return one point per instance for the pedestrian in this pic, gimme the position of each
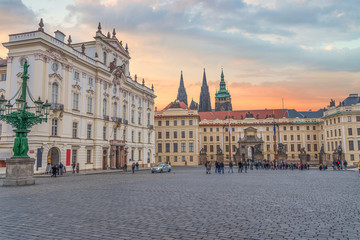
(240, 167)
(73, 166)
(125, 167)
(54, 170)
(231, 167)
(137, 166)
(77, 168)
(221, 167)
(359, 167)
(208, 167)
(245, 166)
(216, 166)
(345, 164)
(320, 167)
(133, 167)
(48, 168)
(57, 169)
(61, 166)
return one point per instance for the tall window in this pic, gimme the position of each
(55, 93)
(139, 155)
(183, 122)
(175, 134)
(88, 156)
(190, 122)
(132, 116)
(3, 77)
(104, 133)
(351, 145)
(104, 107)
(191, 147)
(175, 147)
(88, 131)
(75, 130)
(148, 119)
(124, 134)
(139, 118)
(54, 127)
(89, 104)
(132, 136)
(115, 109)
(76, 101)
(183, 147)
(159, 147)
(149, 137)
(124, 112)
(139, 137)
(115, 133)
(104, 58)
(350, 131)
(167, 147)
(190, 134)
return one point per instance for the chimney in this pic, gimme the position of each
(60, 36)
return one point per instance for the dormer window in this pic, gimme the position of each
(104, 60)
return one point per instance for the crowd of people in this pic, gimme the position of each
(245, 165)
(60, 168)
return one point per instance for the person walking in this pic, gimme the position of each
(125, 167)
(245, 166)
(216, 166)
(137, 166)
(231, 167)
(77, 168)
(61, 166)
(133, 167)
(208, 167)
(221, 167)
(48, 168)
(240, 167)
(54, 170)
(359, 167)
(345, 164)
(73, 166)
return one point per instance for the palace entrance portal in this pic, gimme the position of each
(250, 146)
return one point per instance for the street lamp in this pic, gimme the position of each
(21, 117)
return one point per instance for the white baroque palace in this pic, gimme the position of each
(101, 118)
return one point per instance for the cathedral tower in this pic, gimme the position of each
(182, 96)
(205, 103)
(223, 97)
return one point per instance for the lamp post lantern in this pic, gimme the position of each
(19, 168)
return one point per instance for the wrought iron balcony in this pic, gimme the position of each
(106, 118)
(126, 122)
(116, 119)
(57, 106)
(151, 126)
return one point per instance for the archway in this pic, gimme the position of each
(54, 155)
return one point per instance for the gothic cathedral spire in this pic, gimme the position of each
(205, 103)
(182, 96)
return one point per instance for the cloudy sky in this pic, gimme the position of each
(304, 51)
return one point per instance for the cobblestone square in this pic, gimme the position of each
(185, 204)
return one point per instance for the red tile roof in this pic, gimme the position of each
(262, 114)
(177, 105)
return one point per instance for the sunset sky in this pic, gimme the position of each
(304, 51)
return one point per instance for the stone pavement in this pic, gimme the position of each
(185, 204)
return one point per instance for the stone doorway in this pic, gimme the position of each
(54, 155)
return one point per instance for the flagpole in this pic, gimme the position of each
(275, 150)
(229, 138)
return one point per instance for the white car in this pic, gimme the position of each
(161, 168)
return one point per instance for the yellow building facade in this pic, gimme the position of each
(177, 134)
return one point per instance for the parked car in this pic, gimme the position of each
(161, 168)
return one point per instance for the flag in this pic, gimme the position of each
(274, 129)
(230, 130)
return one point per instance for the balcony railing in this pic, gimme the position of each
(106, 118)
(116, 119)
(126, 122)
(151, 126)
(57, 107)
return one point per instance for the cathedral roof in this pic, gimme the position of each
(223, 92)
(194, 105)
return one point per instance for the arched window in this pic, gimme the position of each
(104, 55)
(104, 107)
(55, 93)
(148, 157)
(115, 110)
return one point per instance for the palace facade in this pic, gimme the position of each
(101, 117)
(322, 136)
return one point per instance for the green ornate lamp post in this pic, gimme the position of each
(19, 168)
